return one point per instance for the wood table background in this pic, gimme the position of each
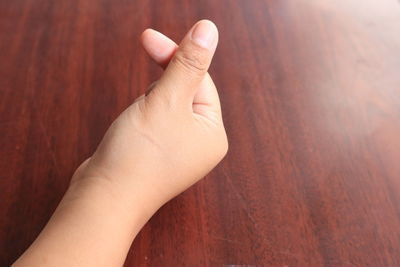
(311, 100)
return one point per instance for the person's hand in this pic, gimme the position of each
(174, 135)
(164, 142)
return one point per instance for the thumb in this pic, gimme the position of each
(190, 63)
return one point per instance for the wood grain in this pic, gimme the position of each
(311, 100)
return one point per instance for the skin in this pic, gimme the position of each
(163, 143)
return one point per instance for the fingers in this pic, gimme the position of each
(159, 47)
(190, 62)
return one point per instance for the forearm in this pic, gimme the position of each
(94, 225)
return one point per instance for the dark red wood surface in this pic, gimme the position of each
(311, 100)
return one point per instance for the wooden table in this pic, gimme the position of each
(311, 100)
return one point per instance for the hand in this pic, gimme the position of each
(174, 135)
(163, 143)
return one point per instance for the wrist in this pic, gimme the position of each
(131, 201)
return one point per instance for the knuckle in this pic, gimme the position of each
(193, 61)
(223, 146)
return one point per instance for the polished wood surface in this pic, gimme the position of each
(311, 100)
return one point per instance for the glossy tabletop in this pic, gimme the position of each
(310, 93)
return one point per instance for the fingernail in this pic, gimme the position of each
(204, 34)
